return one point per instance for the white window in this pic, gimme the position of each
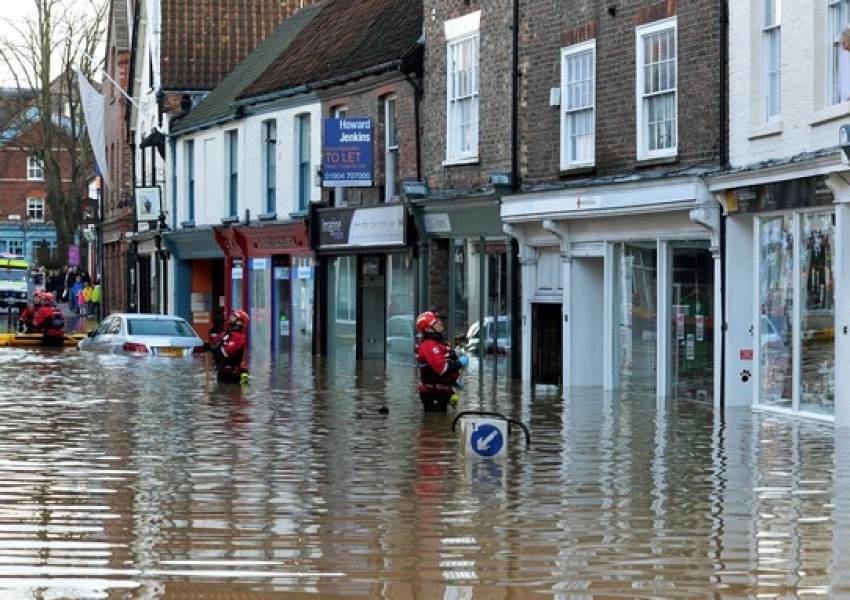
(190, 179)
(270, 164)
(462, 37)
(657, 92)
(578, 105)
(232, 138)
(390, 148)
(35, 209)
(838, 70)
(770, 59)
(302, 127)
(35, 169)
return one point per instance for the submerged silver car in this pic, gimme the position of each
(143, 334)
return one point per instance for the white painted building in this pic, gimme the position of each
(786, 204)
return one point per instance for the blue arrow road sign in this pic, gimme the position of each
(486, 440)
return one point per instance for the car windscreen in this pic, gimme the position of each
(13, 275)
(166, 327)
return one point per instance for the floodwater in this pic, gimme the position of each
(135, 478)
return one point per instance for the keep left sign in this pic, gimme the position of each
(485, 438)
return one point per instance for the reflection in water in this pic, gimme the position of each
(139, 478)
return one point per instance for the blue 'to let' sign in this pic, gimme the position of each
(486, 440)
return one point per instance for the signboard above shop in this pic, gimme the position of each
(347, 152)
(365, 226)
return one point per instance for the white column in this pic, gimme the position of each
(841, 265)
(528, 285)
(664, 320)
(562, 230)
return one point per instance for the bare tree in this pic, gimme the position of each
(43, 52)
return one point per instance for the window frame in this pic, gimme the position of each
(462, 33)
(232, 171)
(771, 60)
(644, 152)
(270, 165)
(35, 169)
(838, 15)
(340, 199)
(569, 156)
(303, 126)
(391, 150)
(189, 162)
(36, 210)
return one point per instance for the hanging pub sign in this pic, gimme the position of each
(347, 152)
(147, 204)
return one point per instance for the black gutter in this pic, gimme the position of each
(514, 270)
(724, 164)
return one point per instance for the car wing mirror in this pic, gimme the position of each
(91, 333)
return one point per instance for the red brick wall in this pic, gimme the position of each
(495, 64)
(547, 26)
(364, 99)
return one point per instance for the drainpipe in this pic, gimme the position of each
(527, 258)
(724, 163)
(515, 267)
(422, 243)
(724, 64)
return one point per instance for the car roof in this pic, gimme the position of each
(147, 316)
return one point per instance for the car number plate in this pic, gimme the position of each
(170, 352)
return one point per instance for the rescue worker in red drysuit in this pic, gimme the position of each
(439, 366)
(229, 349)
(26, 316)
(48, 320)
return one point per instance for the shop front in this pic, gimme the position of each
(198, 276)
(625, 276)
(366, 285)
(269, 272)
(784, 284)
(466, 269)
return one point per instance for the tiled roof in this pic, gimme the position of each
(218, 105)
(347, 37)
(202, 40)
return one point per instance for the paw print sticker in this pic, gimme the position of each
(745, 375)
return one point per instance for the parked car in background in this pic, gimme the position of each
(401, 336)
(143, 334)
(497, 336)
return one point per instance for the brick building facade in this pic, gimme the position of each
(623, 118)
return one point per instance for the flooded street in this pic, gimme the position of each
(144, 478)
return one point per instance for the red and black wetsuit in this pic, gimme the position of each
(49, 321)
(439, 370)
(228, 350)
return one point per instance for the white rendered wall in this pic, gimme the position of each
(807, 122)
(586, 357)
(739, 313)
(211, 174)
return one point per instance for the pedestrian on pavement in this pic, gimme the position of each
(70, 277)
(95, 299)
(88, 303)
(74, 293)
